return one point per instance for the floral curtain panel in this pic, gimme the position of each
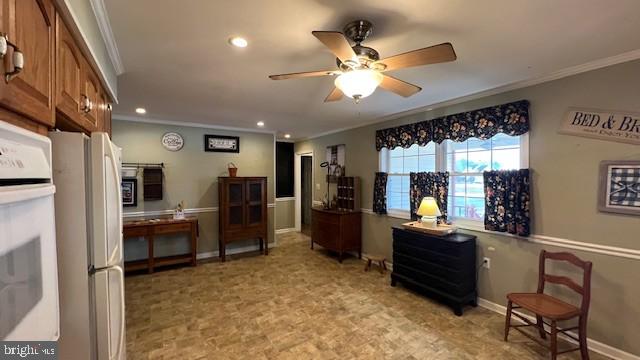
(423, 184)
(380, 193)
(511, 119)
(507, 200)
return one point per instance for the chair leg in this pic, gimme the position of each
(381, 266)
(582, 334)
(540, 324)
(554, 340)
(507, 321)
(367, 266)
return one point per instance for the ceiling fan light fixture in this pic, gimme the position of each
(358, 84)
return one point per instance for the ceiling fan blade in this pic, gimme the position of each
(399, 87)
(338, 44)
(303, 74)
(335, 95)
(430, 55)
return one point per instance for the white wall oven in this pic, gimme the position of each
(28, 265)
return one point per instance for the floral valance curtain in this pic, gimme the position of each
(380, 193)
(423, 184)
(511, 119)
(507, 200)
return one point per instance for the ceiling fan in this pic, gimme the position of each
(360, 69)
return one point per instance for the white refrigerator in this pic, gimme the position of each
(88, 208)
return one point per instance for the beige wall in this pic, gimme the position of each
(191, 174)
(285, 213)
(564, 183)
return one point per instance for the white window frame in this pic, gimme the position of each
(441, 165)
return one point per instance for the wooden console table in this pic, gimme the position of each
(152, 227)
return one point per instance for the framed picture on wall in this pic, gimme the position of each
(129, 192)
(620, 187)
(222, 143)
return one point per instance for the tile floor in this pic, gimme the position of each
(302, 304)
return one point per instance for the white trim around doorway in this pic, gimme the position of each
(297, 169)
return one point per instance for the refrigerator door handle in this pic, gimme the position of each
(116, 172)
(118, 355)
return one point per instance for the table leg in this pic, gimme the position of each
(221, 249)
(150, 262)
(194, 244)
(261, 244)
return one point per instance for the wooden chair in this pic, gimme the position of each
(548, 307)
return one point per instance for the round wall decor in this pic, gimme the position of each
(172, 141)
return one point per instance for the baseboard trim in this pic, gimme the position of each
(284, 231)
(232, 251)
(594, 345)
(554, 241)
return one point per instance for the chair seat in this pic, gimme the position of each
(545, 305)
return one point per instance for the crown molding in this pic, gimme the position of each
(104, 24)
(566, 72)
(188, 124)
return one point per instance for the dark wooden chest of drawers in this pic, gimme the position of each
(441, 267)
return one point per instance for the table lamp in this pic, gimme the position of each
(429, 211)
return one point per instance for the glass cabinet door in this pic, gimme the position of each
(255, 202)
(235, 200)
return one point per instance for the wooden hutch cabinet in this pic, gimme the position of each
(243, 211)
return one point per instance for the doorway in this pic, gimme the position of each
(304, 196)
(306, 200)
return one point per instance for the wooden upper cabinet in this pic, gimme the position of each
(29, 25)
(68, 75)
(104, 113)
(90, 98)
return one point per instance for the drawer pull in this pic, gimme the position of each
(18, 57)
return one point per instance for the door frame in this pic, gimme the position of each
(297, 169)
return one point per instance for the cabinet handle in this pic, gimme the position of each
(86, 105)
(18, 57)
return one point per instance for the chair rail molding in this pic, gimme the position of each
(552, 241)
(136, 214)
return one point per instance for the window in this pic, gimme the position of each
(399, 163)
(465, 161)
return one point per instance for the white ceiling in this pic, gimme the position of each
(179, 66)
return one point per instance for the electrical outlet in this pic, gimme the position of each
(317, 186)
(486, 263)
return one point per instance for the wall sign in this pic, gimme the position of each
(222, 143)
(620, 187)
(617, 126)
(172, 141)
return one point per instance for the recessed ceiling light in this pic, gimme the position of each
(141, 110)
(286, 136)
(260, 123)
(238, 42)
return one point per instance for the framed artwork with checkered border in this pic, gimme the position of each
(620, 187)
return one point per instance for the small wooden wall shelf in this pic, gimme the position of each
(348, 193)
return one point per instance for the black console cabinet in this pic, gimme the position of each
(442, 267)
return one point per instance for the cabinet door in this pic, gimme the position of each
(235, 199)
(255, 200)
(29, 25)
(90, 97)
(68, 75)
(105, 113)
